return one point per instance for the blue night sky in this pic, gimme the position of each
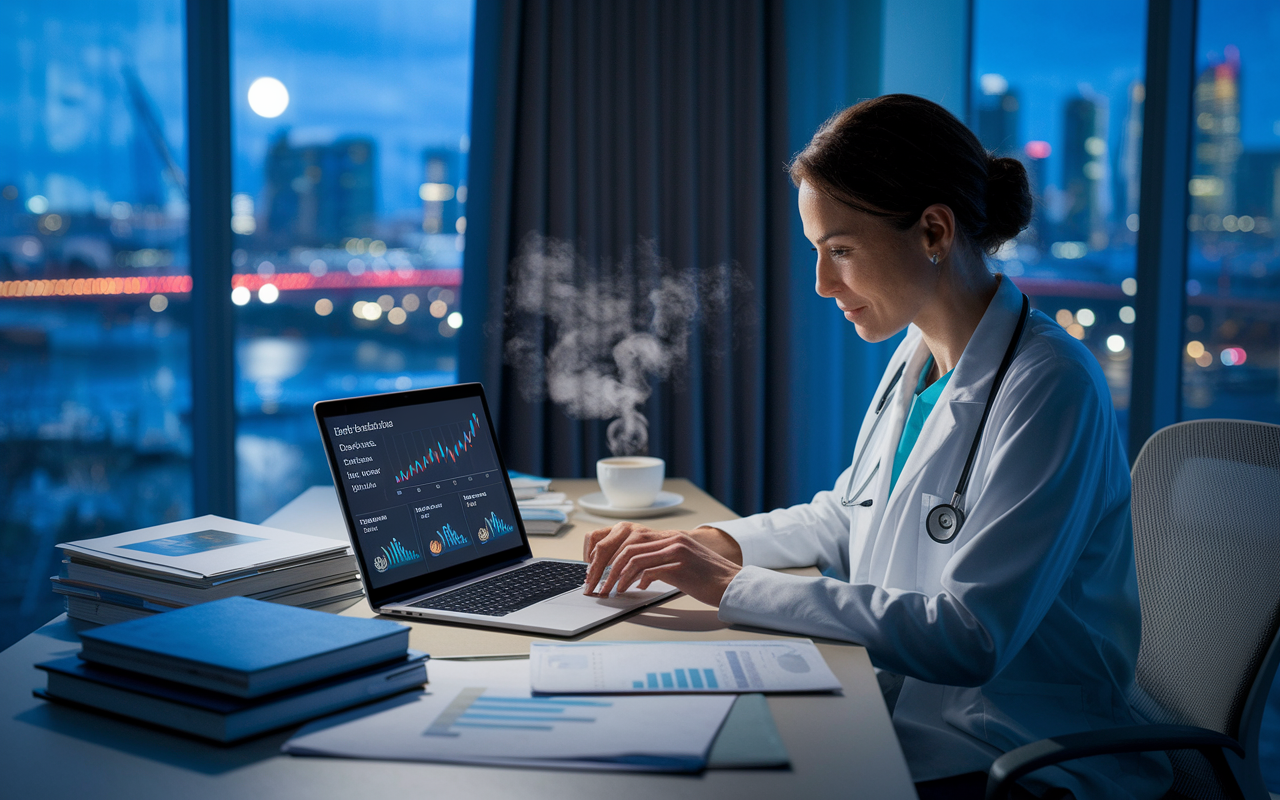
(1050, 52)
(399, 71)
(396, 70)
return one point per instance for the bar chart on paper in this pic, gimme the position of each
(472, 708)
(693, 678)
(793, 665)
(507, 725)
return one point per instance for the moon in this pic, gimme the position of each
(268, 97)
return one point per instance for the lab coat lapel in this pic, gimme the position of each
(863, 544)
(945, 438)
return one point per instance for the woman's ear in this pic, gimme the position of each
(938, 230)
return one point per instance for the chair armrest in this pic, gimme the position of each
(1130, 739)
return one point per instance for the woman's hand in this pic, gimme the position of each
(700, 563)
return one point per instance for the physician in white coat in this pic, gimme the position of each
(1016, 616)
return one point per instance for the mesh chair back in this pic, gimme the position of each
(1206, 530)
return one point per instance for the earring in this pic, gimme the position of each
(934, 258)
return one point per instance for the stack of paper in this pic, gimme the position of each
(544, 512)
(527, 486)
(235, 668)
(139, 573)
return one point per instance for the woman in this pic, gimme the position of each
(980, 545)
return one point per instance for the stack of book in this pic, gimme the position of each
(235, 668)
(139, 573)
(543, 512)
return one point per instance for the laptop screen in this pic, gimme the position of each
(423, 487)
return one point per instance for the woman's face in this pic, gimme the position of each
(880, 277)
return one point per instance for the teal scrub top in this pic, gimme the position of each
(923, 403)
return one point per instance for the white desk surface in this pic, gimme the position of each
(840, 745)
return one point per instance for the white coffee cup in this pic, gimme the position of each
(631, 481)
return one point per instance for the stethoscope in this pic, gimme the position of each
(944, 520)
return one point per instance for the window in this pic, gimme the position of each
(1069, 106)
(351, 138)
(94, 381)
(1231, 367)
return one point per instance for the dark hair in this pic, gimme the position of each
(895, 155)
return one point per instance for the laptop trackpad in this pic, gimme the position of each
(631, 599)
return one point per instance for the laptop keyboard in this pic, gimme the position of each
(511, 591)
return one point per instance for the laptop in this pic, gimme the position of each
(433, 519)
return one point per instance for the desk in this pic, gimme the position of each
(840, 746)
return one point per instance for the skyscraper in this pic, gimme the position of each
(1084, 173)
(998, 122)
(319, 194)
(1129, 185)
(443, 191)
(1216, 156)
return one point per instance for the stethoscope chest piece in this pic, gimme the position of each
(943, 522)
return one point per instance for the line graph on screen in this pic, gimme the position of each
(446, 451)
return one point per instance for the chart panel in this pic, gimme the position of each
(446, 451)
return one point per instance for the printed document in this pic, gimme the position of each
(458, 721)
(766, 665)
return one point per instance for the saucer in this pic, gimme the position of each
(597, 504)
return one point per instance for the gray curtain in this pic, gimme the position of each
(612, 126)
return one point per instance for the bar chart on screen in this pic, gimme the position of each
(395, 555)
(447, 539)
(493, 527)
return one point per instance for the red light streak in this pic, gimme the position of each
(181, 284)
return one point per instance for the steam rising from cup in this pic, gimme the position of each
(613, 329)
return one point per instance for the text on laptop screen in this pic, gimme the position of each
(423, 486)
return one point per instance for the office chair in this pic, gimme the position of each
(1206, 538)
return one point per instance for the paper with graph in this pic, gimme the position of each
(767, 665)
(478, 724)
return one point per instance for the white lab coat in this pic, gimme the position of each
(1026, 625)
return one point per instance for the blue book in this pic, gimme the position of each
(243, 647)
(216, 716)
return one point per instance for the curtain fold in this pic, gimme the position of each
(613, 127)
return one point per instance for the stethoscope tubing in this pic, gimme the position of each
(963, 483)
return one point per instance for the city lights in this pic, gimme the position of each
(1068, 250)
(397, 316)
(455, 322)
(268, 97)
(1129, 286)
(158, 303)
(1086, 317)
(1233, 356)
(371, 311)
(1195, 349)
(1115, 343)
(241, 295)
(268, 293)
(1038, 149)
(37, 204)
(324, 306)
(1127, 315)
(1064, 317)
(993, 84)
